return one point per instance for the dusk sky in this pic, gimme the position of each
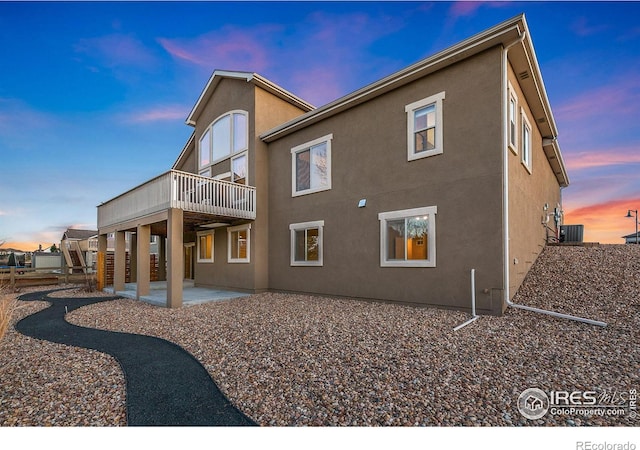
(94, 96)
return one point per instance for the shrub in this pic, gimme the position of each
(90, 283)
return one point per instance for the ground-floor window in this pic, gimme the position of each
(205, 246)
(306, 243)
(408, 237)
(238, 243)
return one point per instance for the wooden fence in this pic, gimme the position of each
(16, 277)
(110, 261)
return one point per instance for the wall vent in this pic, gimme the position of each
(523, 75)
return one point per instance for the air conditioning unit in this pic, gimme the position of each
(571, 233)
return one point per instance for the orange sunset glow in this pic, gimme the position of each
(604, 222)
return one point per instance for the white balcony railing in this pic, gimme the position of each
(182, 190)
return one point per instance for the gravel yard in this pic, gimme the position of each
(289, 359)
(45, 384)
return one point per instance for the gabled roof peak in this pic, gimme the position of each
(249, 77)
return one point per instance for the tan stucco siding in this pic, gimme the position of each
(189, 162)
(223, 274)
(528, 193)
(265, 111)
(270, 111)
(230, 95)
(369, 161)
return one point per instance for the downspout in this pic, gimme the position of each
(505, 168)
(473, 302)
(505, 199)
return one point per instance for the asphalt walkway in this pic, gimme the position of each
(165, 385)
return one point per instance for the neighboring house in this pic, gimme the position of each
(79, 248)
(633, 238)
(393, 192)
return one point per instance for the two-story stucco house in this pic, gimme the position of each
(393, 192)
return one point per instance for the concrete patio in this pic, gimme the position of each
(191, 295)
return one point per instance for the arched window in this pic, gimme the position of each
(225, 137)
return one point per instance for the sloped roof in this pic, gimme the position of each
(521, 56)
(184, 151)
(72, 233)
(11, 250)
(249, 77)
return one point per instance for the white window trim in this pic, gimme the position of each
(527, 145)
(513, 140)
(319, 224)
(307, 145)
(383, 217)
(230, 232)
(210, 129)
(223, 176)
(236, 156)
(410, 109)
(213, 236)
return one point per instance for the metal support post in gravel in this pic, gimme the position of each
(165, 385)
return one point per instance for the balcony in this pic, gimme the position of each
(203, 196)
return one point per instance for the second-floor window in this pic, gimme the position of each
(526, 142)
(424, 127)
(239, 169)
(226, 136)
(311, 166)
(513, 120)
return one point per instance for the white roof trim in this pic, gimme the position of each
(281, 92)
(443, 58)
(214, 80)
(184, 150)
(248, 77)
(502, 33)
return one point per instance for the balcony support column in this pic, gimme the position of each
(175, 259)
(120, 261)
(133, 257)
(143, 261)
(162, 258)
(101, 276)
